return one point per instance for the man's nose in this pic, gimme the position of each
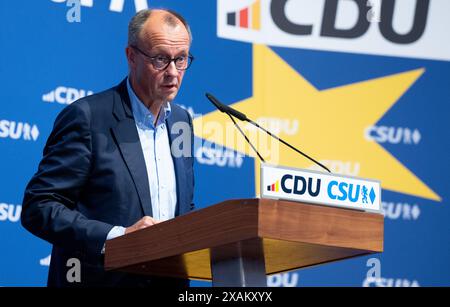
(172, 70)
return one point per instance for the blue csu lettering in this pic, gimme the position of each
(300, 185)
(348, 191)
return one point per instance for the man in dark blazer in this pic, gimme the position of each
(108, 167)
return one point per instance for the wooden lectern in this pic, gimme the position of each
(238, 242)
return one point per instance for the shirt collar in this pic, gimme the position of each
(142, 114)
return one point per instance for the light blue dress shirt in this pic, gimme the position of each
(155, 144)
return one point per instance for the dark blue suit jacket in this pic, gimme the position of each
(92, 177)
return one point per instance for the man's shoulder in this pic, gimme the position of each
(102, 99)
(180, 113)
(98, 104)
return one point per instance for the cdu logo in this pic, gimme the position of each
(300, 185)
(320, 188)
(357, 26)
(65, 95)
(274, 187)
(246, 18)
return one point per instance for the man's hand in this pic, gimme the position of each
(144, 222)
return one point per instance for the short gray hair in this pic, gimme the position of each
(137, 22)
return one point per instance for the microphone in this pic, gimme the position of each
(226, 109)
(232, 112)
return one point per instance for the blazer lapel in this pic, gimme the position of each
(129, 145)
(178, 164)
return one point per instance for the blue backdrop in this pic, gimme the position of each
(47, 62)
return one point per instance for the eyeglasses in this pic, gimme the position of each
(161, 62)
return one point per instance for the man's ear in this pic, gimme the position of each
(131, 56)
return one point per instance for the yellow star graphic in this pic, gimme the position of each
(328, 125)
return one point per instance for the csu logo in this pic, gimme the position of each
(17, 130)
(335, 190)
(301, 185)
(220, 157)
(344, 191)
(392, 135)
(9, 212)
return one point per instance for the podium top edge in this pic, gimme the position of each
(318, 172)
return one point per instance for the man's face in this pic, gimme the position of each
(158, 39)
